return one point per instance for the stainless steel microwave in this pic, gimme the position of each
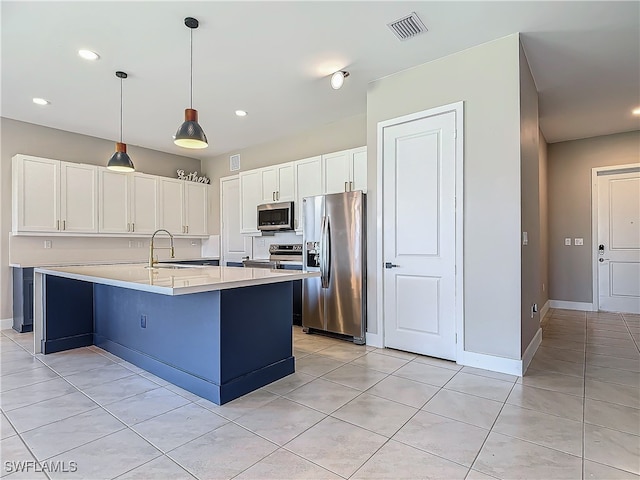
(275, 216)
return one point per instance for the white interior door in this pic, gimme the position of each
(619, 242)
(234, 245)
(420, 236)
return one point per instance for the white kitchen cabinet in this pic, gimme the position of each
(54, 196)
(114, 202)
(250, 198)
(308, 182)
(195, 208)
(345, 171)
(144, 209)
(278, 183)
(172, 205)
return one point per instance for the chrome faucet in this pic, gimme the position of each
(152, 262)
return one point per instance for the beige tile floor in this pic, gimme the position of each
(348, 412)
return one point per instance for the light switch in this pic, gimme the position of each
(567, 242)
(578, 241)
(525, 238)
(47, 244)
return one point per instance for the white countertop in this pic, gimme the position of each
(103, 262)
(178, 281)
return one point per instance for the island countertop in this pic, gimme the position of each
(181, 280)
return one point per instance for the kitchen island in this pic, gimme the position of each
(219, 332)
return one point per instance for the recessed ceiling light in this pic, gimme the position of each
(88, 55)
(636, 111)
(241, 113)
(41, 101)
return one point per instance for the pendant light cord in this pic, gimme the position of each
(121, 110)
(191, 59)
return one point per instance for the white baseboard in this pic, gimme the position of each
(374, 340)
(544, 310)
(6, 323)
(584, 306)
(531, 350)
(510, 366)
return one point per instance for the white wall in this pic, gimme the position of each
(20, 137)
(486, 78)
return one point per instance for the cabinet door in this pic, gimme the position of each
(359, 169)
(36, 193)
(114, 202)
(250, 198)
(286, 183)
(269, 184)
(308, 180)
(171, 206)
(78, 198)
(144, 208)
(335, 171)
(195, 208)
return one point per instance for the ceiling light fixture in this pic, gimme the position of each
(635, 111)
(88, 55)
(41, 101)
(120, 161)
(241, 113)
(190, 133)
(337, 79)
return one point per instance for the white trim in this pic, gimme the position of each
(458, 109)
(531, 351)
(594, 225)
(6, 323)
(544, 310)
(584, 306)
(374, 340)
(510, 366)
(223, 261)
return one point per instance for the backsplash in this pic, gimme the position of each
(261, 244)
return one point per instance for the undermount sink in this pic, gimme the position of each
(174, 266)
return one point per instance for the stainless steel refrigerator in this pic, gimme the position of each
(334, 244)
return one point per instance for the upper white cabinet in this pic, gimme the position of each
(183, 207)
(345, 171)
(278, 183)
(250, 197)
(308, 181)
(53, 196)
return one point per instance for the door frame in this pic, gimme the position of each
(458, 109)
(612, 170)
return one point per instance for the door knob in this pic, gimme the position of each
(390, 265)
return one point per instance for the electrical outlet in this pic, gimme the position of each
(578, 241)
(525, 238)
(132, 244)
(194, 243)
(143, 321)
(140, 244)
(261, 242)
(47, 244)
(567, 242)
(543, 287)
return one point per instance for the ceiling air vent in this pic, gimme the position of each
(234, 162)
(407, 27)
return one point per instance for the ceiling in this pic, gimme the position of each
(273, 59)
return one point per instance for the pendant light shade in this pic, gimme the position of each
(190, 133)
(120, 161)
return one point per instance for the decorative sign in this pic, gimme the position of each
(192, 177)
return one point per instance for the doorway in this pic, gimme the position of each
(421, 156)
(616, 238)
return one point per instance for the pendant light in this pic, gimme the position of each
(120, 161)
(190, 133)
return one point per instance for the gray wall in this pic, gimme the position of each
(347, 133)
(544, 221)
(530, 202)
(570, 164)
(486, 78)
(26, 138)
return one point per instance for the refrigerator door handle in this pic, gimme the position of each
(323, 252)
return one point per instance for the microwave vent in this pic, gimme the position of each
(234, 162)
(407, 27)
